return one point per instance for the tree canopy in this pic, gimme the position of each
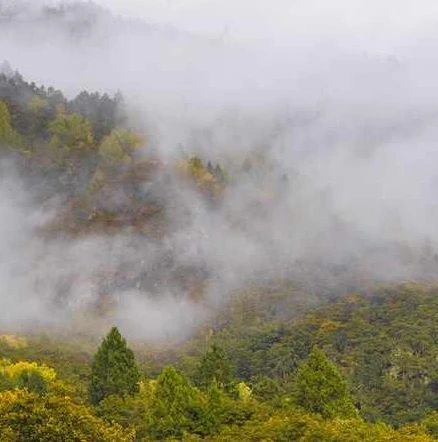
(320, 388)
(114, 371)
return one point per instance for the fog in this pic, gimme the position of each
(338, 97)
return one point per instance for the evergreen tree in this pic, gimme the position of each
(320, 388)
(215, 367)
(114, 370)
(177, 407)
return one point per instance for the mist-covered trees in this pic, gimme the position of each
(70, 132)
(9, 137)
(118, 146)
(102, 111)
(309, 403)
(256, 383)
(114, 371)
(33, 108)
(209, 180)
(82, 152)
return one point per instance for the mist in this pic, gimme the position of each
(340, 100)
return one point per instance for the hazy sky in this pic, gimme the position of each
(375, 25)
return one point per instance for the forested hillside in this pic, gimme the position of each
(363, 368)
(81, 154)
(211, 254)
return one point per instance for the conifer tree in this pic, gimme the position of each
(320, 387)
(177, 407)
(114, 371)
(215, 367)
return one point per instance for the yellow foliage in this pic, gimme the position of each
(119, 145)
(14, 341)
(328, 326)
(70, 131)
(13, 371)
(357, 430)
(244, 391)
(194, 170)
(148, 387)
(28, 417)
(36, 104)
(8, 135)
(305, 427)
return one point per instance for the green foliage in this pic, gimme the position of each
(8, 136)
(320, 388)
(26, 375)
(385, 340)
(226, 411)
(32, 381)
(215, 367)
(70, 132)
(5, 382)
(130, 412)
(170, 408)
(119, 146)
(208, 180)
(430, 424)
(113, 371)
(29, 417)
(102, 111)
(265, 389)
(297, 425)
(177, 407)
(37, 104)
(33, 107)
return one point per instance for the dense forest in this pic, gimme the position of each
(362, 368)
(271, 364)
(307, 347)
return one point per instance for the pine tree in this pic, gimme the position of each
(320, 388)
(113, 371)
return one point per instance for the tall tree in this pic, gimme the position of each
(114, 371)
(320, 387)
(177, 407)
(215, 367)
